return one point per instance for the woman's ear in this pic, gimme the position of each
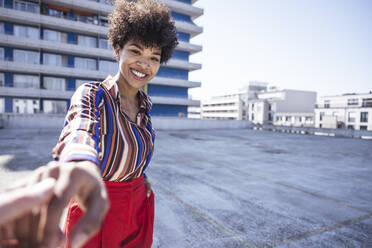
(117, 51)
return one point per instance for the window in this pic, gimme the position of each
(361, 127)
(1, 3)
(103, 21)
(2, 105)
(269, 107)
(27, 32)
(351, 116)
(321, 116)
(103, 43)
(25, 106)
(108, 66)
(367, 102)
(252, 116)
(105, 2)
(298, 119)
(53, 35)
(308, 118)
(2, 53)
(23, 56)
(2, 82)
(278, 118)
(350, 127)
(327, 104)
(2, 29)
(288, 118)
(87, 18)
(352, 101)
(54, 83)
(26, 6)
(54, 107)
(55, 13)
(26, 81)
(54, 59)
(85, 63)
(89, 41)
(364, 117)
(270, 117)
(80, 82)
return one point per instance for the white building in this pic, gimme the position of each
(194, 112)
(231, 106)
(352, 111)
(283, 107)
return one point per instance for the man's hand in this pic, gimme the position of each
(81, 181)
(59, 183)
(18, 203)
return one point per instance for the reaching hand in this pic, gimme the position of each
(15, 204)
(40, 227)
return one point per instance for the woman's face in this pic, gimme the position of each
(138, 64)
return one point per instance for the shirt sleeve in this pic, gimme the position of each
(79, 139)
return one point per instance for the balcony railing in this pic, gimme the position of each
(364, 105)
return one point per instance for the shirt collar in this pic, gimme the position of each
(111, 85)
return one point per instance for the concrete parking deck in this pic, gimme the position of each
(240, 188)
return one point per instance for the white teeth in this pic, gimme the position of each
(138, 74)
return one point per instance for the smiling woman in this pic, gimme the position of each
(109, 124)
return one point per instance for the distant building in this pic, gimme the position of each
(48, 48)
(283, 107)
(352, 111)
(194, 112)
(231, 106)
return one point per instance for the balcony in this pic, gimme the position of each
(342, 106)
(35, 93)
(174, 101)
(81, 73)
(88, 24)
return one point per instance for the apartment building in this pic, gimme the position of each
(231, 106)
(283, 107)
(48, 48)
(352, 111)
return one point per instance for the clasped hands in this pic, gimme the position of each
(30, 210)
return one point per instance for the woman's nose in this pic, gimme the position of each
(143, 62)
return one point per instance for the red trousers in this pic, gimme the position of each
(129, 221)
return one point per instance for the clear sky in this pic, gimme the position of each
(318, 45)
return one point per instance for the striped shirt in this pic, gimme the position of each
(97, 130)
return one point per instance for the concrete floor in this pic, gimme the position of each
(240, 188)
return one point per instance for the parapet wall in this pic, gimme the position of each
(159, 123)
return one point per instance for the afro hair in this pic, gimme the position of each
(146, 21)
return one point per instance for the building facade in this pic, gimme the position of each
(352, 111)
(232, 106)
(283, 107)
(48, 48)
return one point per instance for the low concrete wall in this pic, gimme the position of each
(32, 121)
(317, 131)
(159, 123)
(171, 123)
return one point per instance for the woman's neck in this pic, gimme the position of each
(126, 92)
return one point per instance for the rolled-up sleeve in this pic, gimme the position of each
(80, 136)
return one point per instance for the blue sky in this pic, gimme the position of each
(319, 45)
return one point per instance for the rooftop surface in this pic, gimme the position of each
(240, 188)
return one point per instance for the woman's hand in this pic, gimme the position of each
(148, 187)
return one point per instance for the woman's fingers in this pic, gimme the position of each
(21, 201)
(148, 188)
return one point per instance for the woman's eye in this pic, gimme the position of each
(135, 51)
(155, 59)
